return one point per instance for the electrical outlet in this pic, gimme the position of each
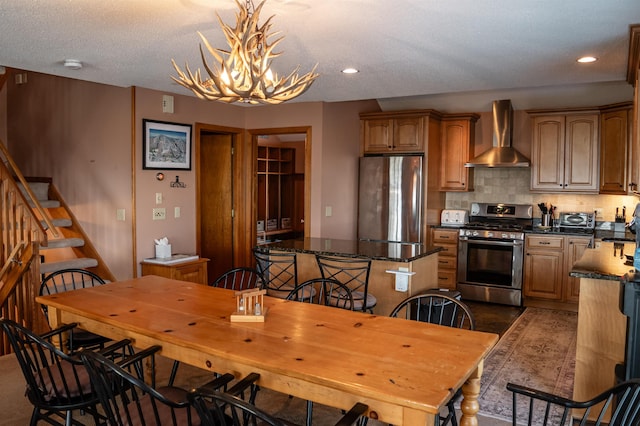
(598, 211)
(159, 214)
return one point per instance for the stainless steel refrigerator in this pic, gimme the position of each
(390, 199)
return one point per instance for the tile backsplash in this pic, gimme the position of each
(512, 185)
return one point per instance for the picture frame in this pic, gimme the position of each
(166, 145)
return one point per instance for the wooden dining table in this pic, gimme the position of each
(405, 371)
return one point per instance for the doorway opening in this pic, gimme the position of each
(281, 183)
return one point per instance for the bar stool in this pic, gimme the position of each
(353, 273)
(279, 272)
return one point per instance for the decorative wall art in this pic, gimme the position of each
(166, 145)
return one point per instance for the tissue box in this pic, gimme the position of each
(163, 250)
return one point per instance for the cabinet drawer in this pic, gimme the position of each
(450, 250)
(447, 279)
(447, 262)
(556, 243)
(444, 236)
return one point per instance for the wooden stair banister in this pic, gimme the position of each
(18, 174)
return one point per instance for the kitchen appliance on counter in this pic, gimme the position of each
(390, 199)
(454, 218)
(576, 222)
(491, 252)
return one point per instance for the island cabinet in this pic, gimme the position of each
(564, 152)
(397, 132)
(615, 149)
(547, 264)
(457, 142)
(448, 257)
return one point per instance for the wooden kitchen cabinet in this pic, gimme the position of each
(565, 151)
(194, 271)
(402, 132)
(548, 261)
(457, 142)
(448, 257)
(543, 266)
(615, 149)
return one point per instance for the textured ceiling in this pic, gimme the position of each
(407, 51)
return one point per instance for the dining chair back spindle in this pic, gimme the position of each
(323, 291)
(354, 274)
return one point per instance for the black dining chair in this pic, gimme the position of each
(438, 307)
(68, 280)
(353, 273)
(279, 272)
(617, 406)
(241, 278)
(323, 291)
(128, 400)
(217, 408)
(57, 384)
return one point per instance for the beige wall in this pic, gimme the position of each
(79, 133)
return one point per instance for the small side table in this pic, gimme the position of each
(194, 271)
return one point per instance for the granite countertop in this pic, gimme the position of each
(607, 261)
(393, 252)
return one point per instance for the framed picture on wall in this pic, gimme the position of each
(166, 145)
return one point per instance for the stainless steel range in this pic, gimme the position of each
(491, 251)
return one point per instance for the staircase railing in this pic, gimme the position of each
(22, 235)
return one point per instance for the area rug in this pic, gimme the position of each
(538, 351)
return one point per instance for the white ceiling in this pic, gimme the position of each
(410, 53)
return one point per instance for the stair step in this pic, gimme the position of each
(63, 242)
(81, 263)
(59, 223)
(47, 204)
(39, 189)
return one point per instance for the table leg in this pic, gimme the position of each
(60, 341)
(470, 392)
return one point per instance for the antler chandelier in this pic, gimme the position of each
(243, 73)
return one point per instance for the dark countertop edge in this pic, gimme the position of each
(600, 264)
(427, 251)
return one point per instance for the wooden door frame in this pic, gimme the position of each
(254, 133)
(244, 164)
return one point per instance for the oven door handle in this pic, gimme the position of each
(510, 243)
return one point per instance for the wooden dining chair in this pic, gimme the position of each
(279, 272)
(57, 383)
(438, 307)
(617, 406)
(354, 274)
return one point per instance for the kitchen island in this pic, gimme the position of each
(602, 326)
(419, 259)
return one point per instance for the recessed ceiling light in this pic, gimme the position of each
(587, 59)
(350, 71)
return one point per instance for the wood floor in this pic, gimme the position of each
(493, 318)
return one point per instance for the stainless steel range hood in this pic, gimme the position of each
(502, 154)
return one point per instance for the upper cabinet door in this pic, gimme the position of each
(408, 134)
(378, 134)
(457, 141)
(582, 153)
(547, 153)
(614, 152)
